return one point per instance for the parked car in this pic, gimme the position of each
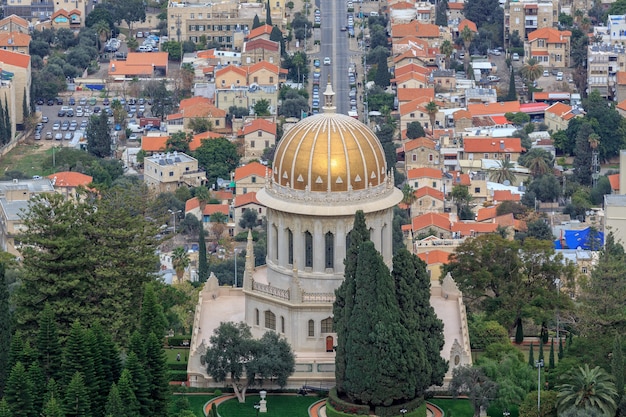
(38, 136)
(56, 125)
(515, 56)
(58, 136)
(44, 119)
(327, 60)
(559, 76)
(72, 101)
(82, 101)
(65, 125)
(48, 135)
(68, 136)
(61, 113)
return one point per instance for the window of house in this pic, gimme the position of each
(414, 158)
(290, 247)
(259, 133)
(434, 184)
(253, 179)
(267, 143)
(477, 190)
(433, 203)
(199, 15)
(584, 269)
(486, 156)
(271, 80)
(311, 328)
(245, 190)
(270, 320)
(329, 239)
(282, 324)
(420, 202)
(415, 185)
(412, 115)
(308, 250)
(430, 157)
(217, 122)
(256, 316)
(192, 16)
(256, 79)
(171, 173)
(327, 325)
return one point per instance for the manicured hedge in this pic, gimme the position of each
(177, 376)
(345, 407)
(417, 407)
(176, 341)
(177, 366)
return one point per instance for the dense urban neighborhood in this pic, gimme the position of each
(294, 208)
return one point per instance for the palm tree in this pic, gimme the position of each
(408, 197)
(586, 388)
(467, 36)
(594, 141)
(180, 261)
(447, 49)
(103, 30)
(532, 70)
(432, 110)
(503, 173)
(538, 161)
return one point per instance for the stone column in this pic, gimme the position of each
(283, 241)
(271, 256)
(298, 246)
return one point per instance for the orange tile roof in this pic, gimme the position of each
(70, 179)
(505, 195)
(461, 114)
(559, 109)
(466, 22)
(422, 30)
(206, 54)
(486, 213)
(551, 35)
(215, 208)
(493, 109)
(622, 105)
(261, 30)
(259, 124)
(539, 53)
(463, 179)
(174, 116)
(424, 173)
(60, 12)
(200, 107)
(410, 76)
(75, 11)
(456, 5)
(122, 68)
(411, 40)
(414, 53)
(159, 59)
(14, 58)
(241, 71)
(154, 143)
(245, 199)
(428, 191)
(263, 65)
(431, 219)
(16, 19)
(410, 94)
(418, 143)
(466, 229)
(253, 168)
(261, 44)
(614, 180)
(196, 140)
(411, 67)
(621, 77)
(14, 39)
(436, 256)
(191, 204)
(506, 220)
(402, 5)
(439, 133)
(222, 195)
(491, 145)
(414, 105)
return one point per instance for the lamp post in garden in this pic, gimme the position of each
(403, 411)
(174, 213)
(539, 364)
(506, 413)
(257, 407)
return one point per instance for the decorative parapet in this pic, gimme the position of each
(318, 297)
(268, 289)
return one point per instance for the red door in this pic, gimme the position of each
(329, 344)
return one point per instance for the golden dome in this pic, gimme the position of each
(329, 152)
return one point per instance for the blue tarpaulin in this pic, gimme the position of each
(95, 86)
(583, 239)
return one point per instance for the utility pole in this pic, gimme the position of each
(178, 25)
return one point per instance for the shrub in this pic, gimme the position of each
(177, 366)
(345, 407)
(177, 341)
(484, 333)
(417, 407)
(217, 392)
(177, 376)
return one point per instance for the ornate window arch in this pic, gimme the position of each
(329, 250)
(290, 247)
(311, 328)
(270, 320)
(308, 249)
(256, 316)
(327, 325)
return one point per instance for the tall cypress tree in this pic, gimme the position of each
(152, 317)
(36, 381)
(374, 344)
(203, 265)
(48, 345)
(25, 108)
(531, 356)
(7, 120)
(125, 388)
(512, 93)
(541, 358)
(138, 383)
(156, 371)
(18, 392)
(551, 357)
(617, 366)
(344, 295)
(519, 332)
(268, 14)
(76, 401)
(3, 131)
(5, 330)
(256, 22)
(561, 348)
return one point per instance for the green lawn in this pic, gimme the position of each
(277, 406)
(27, 158)
(454, 408)
(196, 402)
(171, 355)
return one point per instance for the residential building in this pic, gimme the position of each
(245, 202)
(30, 10)
(558, 115)
(14, 23)
(620, 86)
(425, 177)
(508, 149)
(427, 200)
(420, 152)
(14, 199)
(165, 172)
(61, 18)
(15, 42)
(614, 219)
(258, 135)
(426, 31)
(197, 108)
(528, 16)
(549, 46)
(425, 224)
(15, 67)
(616, 29)
(204, 212)
(403, 12)
(69, 184)
(250, 178)
(258, 50)
(604, 61)
(141, 65)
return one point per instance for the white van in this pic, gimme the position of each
(374, 14)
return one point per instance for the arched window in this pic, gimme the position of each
(308, 250)
(290, 246)
(327, 325)
(275, 242)
(282, 324)
(270, 320)
(256, 316)
(311, 328)
(330, 250)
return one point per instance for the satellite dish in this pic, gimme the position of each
(506, 182)
(221, 182)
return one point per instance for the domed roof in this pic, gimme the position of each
(329, 152)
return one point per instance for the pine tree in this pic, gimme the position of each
(344, 295)
(551, 357)
(16, 349)
(531, 356)
(110, 356)
(76, 402)
(374, 349)
(152, 317)
(519, 332)
(125, 388)
(97, 385)
(18, 392)
(52, 391)
(52, 408)
(541, 358)
(5, 330)
(256, 22)
(76, 356)
(137, 344)
(560, 348)
(203, 265)
(4, 408)
(138, 383)
(617, 366)
(48, 345)
(156, 371)
(36, 380)
(114, 406)
(99, 136)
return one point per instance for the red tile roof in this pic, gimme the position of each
(191, 204)
(418, 143)
(263, 65)
(159, 59)
(239, 70)
(15, 19)
(411, 67)
(505, 195)
(200, 107)
(222, 195)
(402, 5)
(214, 208)
(261, 44)
(467, 23)
(410, 94)
(14, 58)
(245, 199)
(456, 5)
(486, 213)
(261, 30)
(621, 77)
(253, 168)
(70, 179)
(436, 256)
(551, 35)
(559, 109)
(10, 39)
(466, 229)
(259, 124)
(431, 219)
(498, 109)
(463, 179)
(422, 30)
(196, 141)
(614, 180)
(461, 114)
(424, 173)
(492, 145)
(428, 191)
(154, 143)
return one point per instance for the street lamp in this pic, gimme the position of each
(506, 413)
(539, 364)
(257, 407)
(403, 411)
(174, 213)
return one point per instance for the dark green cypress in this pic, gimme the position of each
(512, 93)
(531, 356)
(551, 357)
(519, 332)
(76, 400)
(110, 356)
(125, 388)
(25, 108)
(52, 391)
(5, 330)
(18, 392)
(7, 120)
(48, 345)
(570, 340)
(156, 371)
(152, 317)
(139, 383)
(540, 350)
(268, 14)
(3, 131)
(76, 357)
(256, 22)
(203, 265)
(344, 295)
(561, 348)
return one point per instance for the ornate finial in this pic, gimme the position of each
(328, 98)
